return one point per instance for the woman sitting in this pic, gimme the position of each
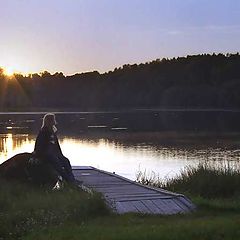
(47, 148)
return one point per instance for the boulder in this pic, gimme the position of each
(25, 167)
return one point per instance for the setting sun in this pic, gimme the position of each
(8, 71)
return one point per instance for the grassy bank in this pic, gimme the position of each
(24, 208)
(206, 180)
(217, 219)
(37, 214)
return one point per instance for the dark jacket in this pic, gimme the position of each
(47, 143)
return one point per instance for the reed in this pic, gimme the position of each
(206, 180)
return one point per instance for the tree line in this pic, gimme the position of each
(197, 81)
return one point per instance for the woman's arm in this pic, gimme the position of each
(41, 144)
(58, 145)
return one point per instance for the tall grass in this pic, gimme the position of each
(205, 180)
(24, 208)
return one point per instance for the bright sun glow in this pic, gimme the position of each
(9, 71)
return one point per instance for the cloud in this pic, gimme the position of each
(227, 29)
(175, 32)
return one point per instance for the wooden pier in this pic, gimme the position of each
(124, 195)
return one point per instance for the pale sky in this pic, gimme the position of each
(84, 35)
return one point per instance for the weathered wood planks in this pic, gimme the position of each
(124, 195)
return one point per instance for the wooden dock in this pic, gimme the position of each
(124, 195)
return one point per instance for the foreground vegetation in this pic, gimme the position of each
(24, 208)
(207, 180)
(28, 213)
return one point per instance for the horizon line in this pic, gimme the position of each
(226, 54)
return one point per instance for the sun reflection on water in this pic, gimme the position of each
(13, 144)
(108, 155)
(120, 157)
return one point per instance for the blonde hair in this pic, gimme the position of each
(49, 120)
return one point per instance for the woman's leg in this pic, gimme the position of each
(65, 163)
(56, 162)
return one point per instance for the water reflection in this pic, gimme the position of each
(11, 144)
(121, 157)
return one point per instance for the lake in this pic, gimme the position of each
(123, 156)
(165, 153)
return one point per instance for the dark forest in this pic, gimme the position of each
(199, 81)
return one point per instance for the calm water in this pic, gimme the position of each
(124, 153)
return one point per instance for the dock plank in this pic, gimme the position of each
(124, 195)
(152, 207)
(142, 208)
(125, 207)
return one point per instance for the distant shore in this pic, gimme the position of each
(68, 111)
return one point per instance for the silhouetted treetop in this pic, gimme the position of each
(197, 81)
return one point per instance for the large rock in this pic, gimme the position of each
(25, 168)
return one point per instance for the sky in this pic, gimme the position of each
(73, 36)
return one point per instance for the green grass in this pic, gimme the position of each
(205, 180)
(24, 208)
(36, 214)
(146, 227)
(215, 219)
